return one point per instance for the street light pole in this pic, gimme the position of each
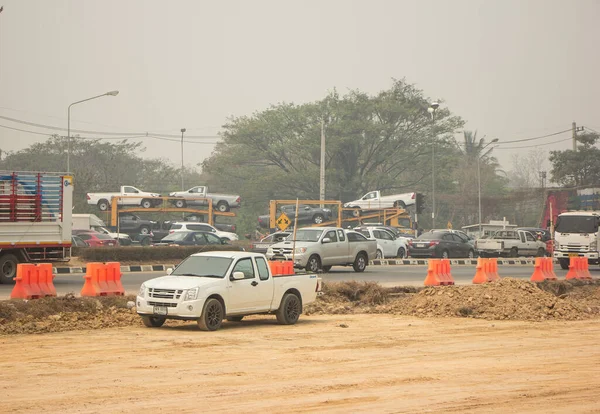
(182, 131)
(432, 109)
(479, 181)
(111, 93)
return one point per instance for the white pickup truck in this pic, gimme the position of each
(320, 248)
(511, 243)
(222, 202)
(373, 200)
(211, 286)
(141, 198)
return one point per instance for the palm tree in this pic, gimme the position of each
(473, 148)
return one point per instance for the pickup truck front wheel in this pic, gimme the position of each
(314, 264)
(289, 310)
(514, 252)
(153, 321)
(212, 315)
(146, 203)
(360, 263)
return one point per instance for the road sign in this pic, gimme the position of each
(283, 222)
(449, 225)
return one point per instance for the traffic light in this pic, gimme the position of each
(420, 203)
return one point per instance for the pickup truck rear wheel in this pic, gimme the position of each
(400, 204)
(222, 206)
(8, 268)
(289, 310)
(212, 315)
(514, 252)
(146, 203)
(314, 264)
(180, 203)
(541, 252)
(103, 205)
(153, 321)
(360, 263)
(356, 213)
(471, 254)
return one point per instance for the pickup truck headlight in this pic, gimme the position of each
(142, 292)
(300, 250)
(593, 245)
(191, 294)
(171, 194)
(269, 251)
(327, 210)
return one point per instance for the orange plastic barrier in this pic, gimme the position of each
(281, 268)
(33, 281)
(487, 270)
(103, 279)
(438, 273)
(543, 269)
(579, 269)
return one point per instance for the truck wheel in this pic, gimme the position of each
(146, 203)
(360, 263)
(235, 318)
(314, 264)
(153, 321)
(144, 230)
(514, 252)
(289, 310)
(212, 315)
(541, 252)
(445, 254)
(318, 218)
(379, 254)
(222, 206)
(8, 268)
(564, 263)
(401, 253)
(400, 204)
(356, 213)
(103, 205)
(326, 268)
(180, 203)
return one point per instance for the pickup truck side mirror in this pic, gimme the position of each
(238, 276)
(169, 270)
(326, 240)
(307, 208)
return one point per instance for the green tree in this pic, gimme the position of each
(579, 168)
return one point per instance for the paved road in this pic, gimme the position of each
(385, 275)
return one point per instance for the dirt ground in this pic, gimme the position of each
(505, 347)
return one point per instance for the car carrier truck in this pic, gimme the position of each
(35, 219)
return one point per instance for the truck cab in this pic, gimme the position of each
(576, 235)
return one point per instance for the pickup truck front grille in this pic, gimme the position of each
(165, 304)
(164, 293)
(282, 250)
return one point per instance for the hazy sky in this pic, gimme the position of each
(511, 69)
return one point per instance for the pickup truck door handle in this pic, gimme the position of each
(254, 283)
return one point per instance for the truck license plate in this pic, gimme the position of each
(573, 255)
(160, 310)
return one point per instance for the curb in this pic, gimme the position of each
(124, 269)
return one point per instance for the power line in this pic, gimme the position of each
(536, 145)
(534, 138)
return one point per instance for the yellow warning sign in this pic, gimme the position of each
(449, 225)
(283, 222)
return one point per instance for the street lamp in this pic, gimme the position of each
(111, 93)
(182, 131)
(479, 180)
(432, 109)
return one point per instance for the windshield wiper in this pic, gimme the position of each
(194, 274)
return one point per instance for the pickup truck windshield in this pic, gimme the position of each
(203, 266)
(310, 235)
(576, 224)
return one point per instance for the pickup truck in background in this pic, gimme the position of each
(373, 200)
(222, 202)
(320, 248)
(133, 224)
(306, 214)
(511, 243)
(211, 286)
(142, 198)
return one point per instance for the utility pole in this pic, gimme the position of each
(182, 131)
(574, 125)
(322, 181)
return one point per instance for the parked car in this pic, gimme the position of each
(95, 239)
(264, 243)
(440, 244)
(138, 198)
(306, 214)
(122, 238)
(460, 234)
(221, 202)
(388, 245)
(77, 241)
(186, 226)
(192, 238)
